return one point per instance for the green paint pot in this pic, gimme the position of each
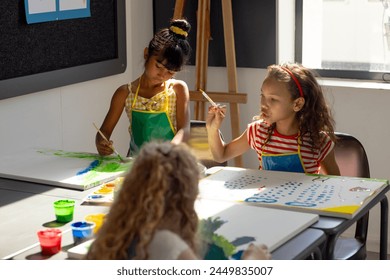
(63, 210)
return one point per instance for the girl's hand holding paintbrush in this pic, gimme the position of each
(215, 114)
(104, 146)
(220, 109)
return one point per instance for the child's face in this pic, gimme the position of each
(277, 105)
(156, 71)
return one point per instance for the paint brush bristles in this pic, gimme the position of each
(211, 101)
(112, 146)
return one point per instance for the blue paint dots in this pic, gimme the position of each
(260, 199)
(301, 204)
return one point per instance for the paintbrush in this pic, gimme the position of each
(211, 101)
(111, 146)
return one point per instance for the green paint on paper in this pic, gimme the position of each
(93, 173)
(219, 247)
(113, 167)
(80, 155)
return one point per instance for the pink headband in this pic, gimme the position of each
(295, 80)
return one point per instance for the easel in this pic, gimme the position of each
(201, 64)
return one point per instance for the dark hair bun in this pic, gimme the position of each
(180, 28)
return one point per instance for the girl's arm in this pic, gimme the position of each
(114, 113)
(329, 165)
(221, 151)
(182, 112)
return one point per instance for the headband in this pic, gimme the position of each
(295, 80)
(178, 30)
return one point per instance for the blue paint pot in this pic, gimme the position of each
(82, 231)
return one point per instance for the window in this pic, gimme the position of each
(344, 38)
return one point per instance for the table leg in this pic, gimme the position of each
(384, 225)
(329, 247)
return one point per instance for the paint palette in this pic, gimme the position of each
(326, 195)
(104, 195)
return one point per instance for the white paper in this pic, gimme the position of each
(72, 5)
(41, 6)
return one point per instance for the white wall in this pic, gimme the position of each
(62, 118)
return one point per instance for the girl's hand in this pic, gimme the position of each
(256, 252)
(215, 116)
(104, 148)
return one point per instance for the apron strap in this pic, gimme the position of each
(136, 92)
(299, 151)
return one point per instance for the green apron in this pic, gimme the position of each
(150, 125)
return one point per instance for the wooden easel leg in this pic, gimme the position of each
(201, 63)
(179, 9)
(230, 53)
(202, 47)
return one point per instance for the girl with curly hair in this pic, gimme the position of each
(153, 216)
(295, 129)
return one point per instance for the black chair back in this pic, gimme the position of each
(352, 160)
(351, 156)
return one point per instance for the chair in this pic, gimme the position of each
(199, 143)
(352, 161)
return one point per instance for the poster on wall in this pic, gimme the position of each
(51, 10)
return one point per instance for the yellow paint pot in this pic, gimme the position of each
(97, 218)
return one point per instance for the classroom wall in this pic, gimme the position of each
(62, 118)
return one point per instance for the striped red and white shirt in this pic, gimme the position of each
(257, 134)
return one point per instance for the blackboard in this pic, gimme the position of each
(254, 24)
(36, 57)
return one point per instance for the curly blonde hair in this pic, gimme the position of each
(163, 182)
(315, 116)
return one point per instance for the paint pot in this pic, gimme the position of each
(95, 196)
(104, 190)
(82, 231)
(50, 241)
(63, 210)
(98, 219)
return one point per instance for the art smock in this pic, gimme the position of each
(286, 153)
(151, 119)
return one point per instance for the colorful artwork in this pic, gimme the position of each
(217, 246)
(327, 195)
(227, 228)
(77, 170)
